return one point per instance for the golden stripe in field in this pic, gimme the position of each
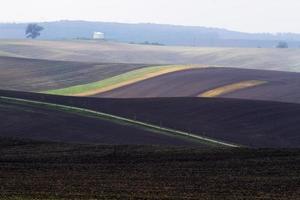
(232, 88)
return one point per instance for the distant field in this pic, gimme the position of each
(39, 75)
(111, 52)
(251, 123)
(273, 85)
(41, 170)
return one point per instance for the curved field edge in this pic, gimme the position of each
(121, 80)
(123, 121)
(232, 88)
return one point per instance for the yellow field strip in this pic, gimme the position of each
(232, 88)
(135, 80)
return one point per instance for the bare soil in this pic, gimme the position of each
(247, 122)
(40, 170)
(38, 123)
(280, 86)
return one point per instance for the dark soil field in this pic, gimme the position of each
(246, 122)
(40, 170)
(280, 86)
(31, 122)
(40, 75)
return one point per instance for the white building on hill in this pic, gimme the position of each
(98, 36)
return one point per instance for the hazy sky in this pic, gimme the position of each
(241, 15)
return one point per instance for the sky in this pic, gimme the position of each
(240, 15)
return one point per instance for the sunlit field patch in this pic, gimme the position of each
(232, 88)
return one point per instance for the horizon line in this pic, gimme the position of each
(151, 23)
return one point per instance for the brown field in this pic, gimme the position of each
(39, 75)
(111, 52)
(251, 123)
(279, 86)
(40, 170)
(45, 124)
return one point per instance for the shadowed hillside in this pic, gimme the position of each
(27, 121)
(251, 123)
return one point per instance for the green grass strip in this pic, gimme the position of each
(122, 120)
(107, 82)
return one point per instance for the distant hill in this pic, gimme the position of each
(116, 52)
(153, 33)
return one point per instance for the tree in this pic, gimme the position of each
(33, 31)
(282, 45)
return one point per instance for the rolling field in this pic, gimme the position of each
(245, 122)
(118, 81)
(186, 123)
(273, 85)
(111, 52)
(41, 170)
(47, 124)
(141, 80)
(39, 75)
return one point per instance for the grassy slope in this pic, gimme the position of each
(39, 170)
(116, 81)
